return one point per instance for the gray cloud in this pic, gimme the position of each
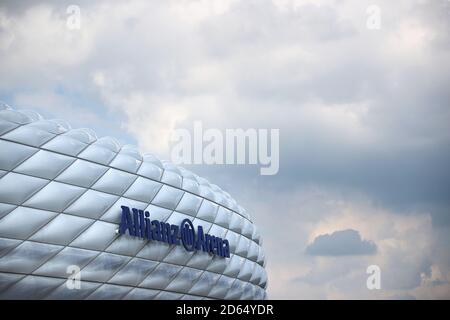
(363, 115)
(341, 243)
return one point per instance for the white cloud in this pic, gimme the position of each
(361, 112)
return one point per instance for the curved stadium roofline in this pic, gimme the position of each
(35, 150)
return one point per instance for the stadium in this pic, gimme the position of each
(62, 197)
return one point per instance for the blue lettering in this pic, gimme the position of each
(138, 224)
(156, 234)
(175, 238)
(126, 223)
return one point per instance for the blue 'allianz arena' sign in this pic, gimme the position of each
(138, 224)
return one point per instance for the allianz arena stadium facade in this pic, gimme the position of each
(80, 218)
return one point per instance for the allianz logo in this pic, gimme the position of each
(138, 224)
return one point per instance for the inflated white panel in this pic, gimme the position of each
(62, 230)
(55, 196)
(143, 189)
(23, 222)
(12, 154)
(82, 173)
(57, 266)
(92, 204)
(16, 188)
(37, 165)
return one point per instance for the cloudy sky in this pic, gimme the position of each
(363, 115)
